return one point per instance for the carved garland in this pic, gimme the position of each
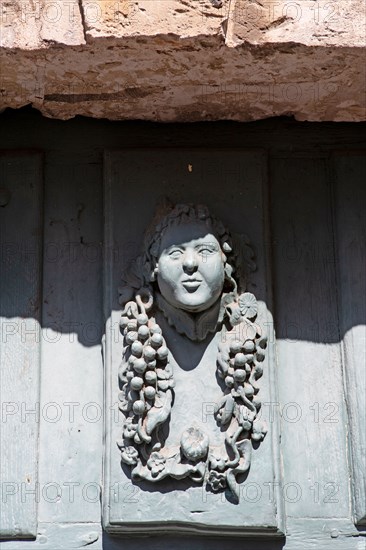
(147, 382)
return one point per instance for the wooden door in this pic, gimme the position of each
(72, 215)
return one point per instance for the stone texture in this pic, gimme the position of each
(184, 60)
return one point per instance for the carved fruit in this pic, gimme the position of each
(136, 383)
(260, 356)
(162, 353)
(229, 381)
(235, 347)
(249, 357)
(163, 385)
(149, 353)
(123, 323)
(249, 390)
(136, 349)
(142, 319)
(156, 340)
(138, 407)
(249, 346)
(131, 336)
(155, 329)
(240, 375)
(132, 325)
(194, 444)
(140, 366)
(143, 332)
(239, 360)
(150, 377)
(149, 392)
(151, 365)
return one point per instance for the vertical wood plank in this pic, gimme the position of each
(72, 380)
(20, 298)
(312, 407)
(350, 213)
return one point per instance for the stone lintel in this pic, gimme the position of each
(184, 60)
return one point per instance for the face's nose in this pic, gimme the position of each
(190, 262)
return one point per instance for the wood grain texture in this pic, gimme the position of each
(61, 536)
(350, 203)
(20, 292)
(313, 412)
(302, 534)
(72, 381)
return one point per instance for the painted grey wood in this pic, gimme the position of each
(349, 171)
(71, 440)
(312, 405)
(233, 185)
(302, 534)
(80, 143)
(325, 534)
(20, 309)
(61, 536)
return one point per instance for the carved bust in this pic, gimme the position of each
(192, 354)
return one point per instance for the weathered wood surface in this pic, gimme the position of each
(313, 412)
(72, 381)
(61, 536)
(350, 203)
(20, 308)
(73, 371)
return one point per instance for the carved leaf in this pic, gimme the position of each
(244, 449)
(234, 313)
(163, 374)
(232, 484)
(227, 410)
(158, 415)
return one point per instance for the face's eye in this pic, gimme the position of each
(175, 254)
(205, 249)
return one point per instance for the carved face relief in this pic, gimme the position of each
(190, 267)
(191, 253)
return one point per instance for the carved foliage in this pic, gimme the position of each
(146, 381)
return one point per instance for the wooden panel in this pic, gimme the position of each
(312, 406)
(72, 380)
(233, 185)
(350, 212)
(61, 536)
(20, 289)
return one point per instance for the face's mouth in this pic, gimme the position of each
(192, 284)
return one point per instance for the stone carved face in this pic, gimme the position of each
(191, 267)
